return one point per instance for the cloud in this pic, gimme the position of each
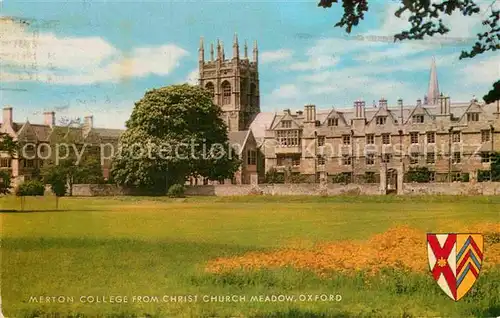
(193, 77)
(481, 71)
(77, 60)
(275, 56)
(286, 91)
(326, 53)
(105, 115)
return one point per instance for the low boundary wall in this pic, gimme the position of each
(455, 188)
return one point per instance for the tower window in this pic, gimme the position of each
(210, 87)
(253, 95)
(226, 93)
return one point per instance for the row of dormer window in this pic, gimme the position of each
(291, 138)
(379, 120)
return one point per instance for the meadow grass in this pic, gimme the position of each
(138, 246)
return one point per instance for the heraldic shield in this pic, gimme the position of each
(455, 261)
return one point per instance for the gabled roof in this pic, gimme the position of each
(332, 114)
(415, 109)
(239, 139)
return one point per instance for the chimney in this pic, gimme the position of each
(419, 102)
(310, 111)
(299, 112)
(89, 121)
(444, 103)
(286, 111)
(382, 102)
(400, 104)
(7, 116)
(49, 118)
(362, 108)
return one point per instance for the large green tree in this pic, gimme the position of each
(425, 18)
(173, 132)
(9, 146)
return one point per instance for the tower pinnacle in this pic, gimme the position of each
(236, 47)
(255, 52)
(201, 51)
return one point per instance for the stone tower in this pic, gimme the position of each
(234, 82)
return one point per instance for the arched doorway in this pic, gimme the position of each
(391, 181)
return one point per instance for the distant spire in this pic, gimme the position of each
(246, 49)
(433, 92)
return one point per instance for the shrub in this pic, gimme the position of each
(176, 191)
(5, 182)
(273, 176)
(418, 174)
(30, 188)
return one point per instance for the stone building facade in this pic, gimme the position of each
(360, 143)
(364, 143)
(38, 143)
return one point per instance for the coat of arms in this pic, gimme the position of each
(455, 261)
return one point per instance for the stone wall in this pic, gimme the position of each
(284, 189)
(456, 188)
(93, 190)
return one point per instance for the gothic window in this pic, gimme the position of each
(253, 95)
(226, 93)
(210, 87)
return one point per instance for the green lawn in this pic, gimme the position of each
(132, 246)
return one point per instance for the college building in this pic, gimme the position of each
(358, 143)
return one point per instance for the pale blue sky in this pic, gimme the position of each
(99, 57)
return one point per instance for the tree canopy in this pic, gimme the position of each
(9, 146)
(426, 20)
(173, 132)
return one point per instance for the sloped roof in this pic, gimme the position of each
(109, 133)
(260, 123)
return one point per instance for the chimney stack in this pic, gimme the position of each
(362, 109)
(7, 116)
(89, 121)
(49, 118)
(400, 102)
(382, 103)
(419, 102)
(310, 111)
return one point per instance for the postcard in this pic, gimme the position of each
(249, 158)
